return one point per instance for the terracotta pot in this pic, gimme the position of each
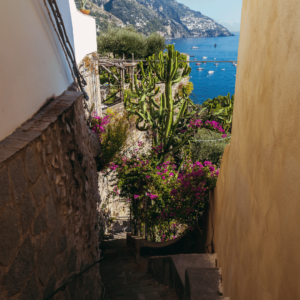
(85, 11)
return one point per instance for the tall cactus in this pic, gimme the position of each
(168, 118)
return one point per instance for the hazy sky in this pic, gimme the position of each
(225, 12)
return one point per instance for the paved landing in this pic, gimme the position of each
(124, 279)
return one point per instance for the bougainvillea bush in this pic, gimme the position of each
(168, 201)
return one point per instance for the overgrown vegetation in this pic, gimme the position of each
(166, 186)
(113, 131)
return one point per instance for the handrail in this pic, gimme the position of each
(63, 287)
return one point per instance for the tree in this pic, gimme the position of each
(127, 40)
(121, 41)
(154, 44)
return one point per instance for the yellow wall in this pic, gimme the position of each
(255, 208)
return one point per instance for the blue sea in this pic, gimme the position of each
(220, 82)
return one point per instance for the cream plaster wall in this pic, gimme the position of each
(255, 208)
(33, 67)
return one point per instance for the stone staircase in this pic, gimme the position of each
(173, 277)
(192, 276)
(124, 279)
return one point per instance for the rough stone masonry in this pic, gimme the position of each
(48, 200)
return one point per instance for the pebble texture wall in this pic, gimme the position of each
(48, 198)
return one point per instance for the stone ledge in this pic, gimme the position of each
(35, 126)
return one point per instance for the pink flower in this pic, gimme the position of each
(148, 176)
(224, 135)
(136, 196)
(163, 177)
(171, 174)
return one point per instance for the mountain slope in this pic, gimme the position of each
(103, 18)
(169, 18)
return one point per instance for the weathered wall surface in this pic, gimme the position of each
(88, 67)
(48, 199)
(255, 206)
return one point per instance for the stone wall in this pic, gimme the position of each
(48, 200)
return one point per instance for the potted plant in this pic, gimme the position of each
(82, 4)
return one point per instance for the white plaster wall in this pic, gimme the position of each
(33, 66)
(84, 30)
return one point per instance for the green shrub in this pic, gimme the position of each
(211, 151)
(182, 57)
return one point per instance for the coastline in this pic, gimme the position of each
(202, 37)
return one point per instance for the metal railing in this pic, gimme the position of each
(63, 287)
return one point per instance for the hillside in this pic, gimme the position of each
(103, 18)
(169, 18)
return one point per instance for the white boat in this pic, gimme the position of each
(211, 72)
(204, 57)
(235, 65)
(216, 65)
(200, 69)
(194, 47)
(214, 58)
(195, 58)
(222, 69)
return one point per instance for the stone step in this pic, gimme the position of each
(203, 284)
(188, 274)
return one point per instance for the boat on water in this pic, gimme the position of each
(198, 64)
(211, 72)
(214, 58)
(194, 47)
(192, 55)
(204, 57)
(222, 69)
(200, 69)
(195, 58)
(216, 65)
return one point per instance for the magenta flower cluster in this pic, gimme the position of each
(99, 124)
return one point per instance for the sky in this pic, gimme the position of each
(225, 12)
